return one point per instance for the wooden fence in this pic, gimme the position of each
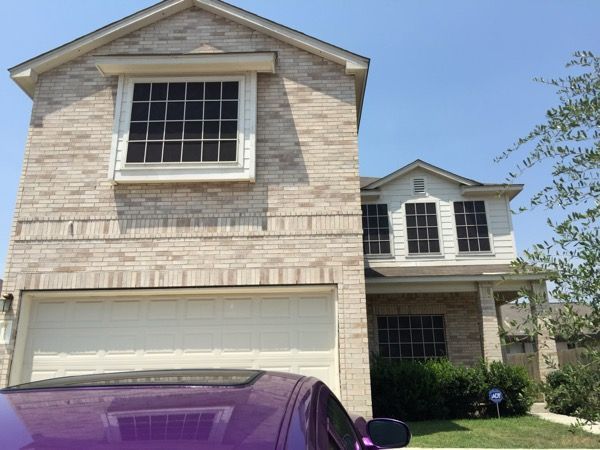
(530, 361)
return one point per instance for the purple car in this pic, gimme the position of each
(187, 409)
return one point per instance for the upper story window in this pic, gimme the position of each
(471, 226)
(376, 229)
(422, 228)
(183, 122)
(199, 128)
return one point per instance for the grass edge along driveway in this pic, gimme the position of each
(510, 432)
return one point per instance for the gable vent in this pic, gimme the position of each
(418, 185)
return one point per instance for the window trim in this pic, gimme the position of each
(390, 254)
(243, 169)
(470, 254)
(436, 255)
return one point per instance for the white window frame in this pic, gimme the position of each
(436, 255)
(389, 255)
(483, 253)
(243, 169)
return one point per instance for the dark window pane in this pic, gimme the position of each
(458, 207)
(410, 208)
(174, 130)
(432, 220)
(434, 246)
(429, 350)
(172, 152)
(413, 247)
(141, 92)
(366, 248)
(175, 111)
(139, 111)
(433, 233)
(420, 208)
(210, 151)
(394, 353)
(230, 90)
(417, 350)
(427, 321)
(382, 322)
(423, 247)
(403, 321)
(427, 334)
(211, 130)
(473, 245)
(469, 207)
(422, 221)
(471, 232)
(463, 245)
(156, 131)
(384, 350)
(430, 208)
(481, 219)
(411, 221)
(229, 110)
(438, 335)
(484, 245)
(482, 230)
(422, 233)
(193, 130)
(373, 221)
(227, 151)
(404, 335)
(137, 131)
(460, 219)
(374, 248)
(212, 90)
(135, 152)
(385, 247)
(470, 219)
(159, 91)
(212, 110)
(438, 321)
(229, 129)
(383, 222)
(192, 151)
(157, 110)
(411, 233)
(406, 350)
(195, 91)
(372, 210)
(383, 336)
(176, 91)
(154, 152)
(440, 350)
(415, 322)
(393, 336)
(461, 232)
(382, 209)
(194, 110)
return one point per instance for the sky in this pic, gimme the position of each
(450, 82)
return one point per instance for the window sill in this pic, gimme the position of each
(379, 257)
(154, 174)
(425, 256)
(474, 254)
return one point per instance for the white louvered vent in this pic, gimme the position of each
(418, 185)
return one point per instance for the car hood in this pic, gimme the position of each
(174, 417)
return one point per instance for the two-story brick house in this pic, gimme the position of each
(190, 198)
(438, 248)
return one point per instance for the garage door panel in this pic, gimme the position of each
(290, 332)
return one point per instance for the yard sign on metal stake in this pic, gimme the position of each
(495, 395)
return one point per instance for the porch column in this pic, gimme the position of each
(545, 345)
(492, 349)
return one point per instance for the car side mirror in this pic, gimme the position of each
(387, 433)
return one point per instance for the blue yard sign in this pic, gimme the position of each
(496, 395)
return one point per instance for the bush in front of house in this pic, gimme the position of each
(574, 390)
(518, 388)
(438, 389)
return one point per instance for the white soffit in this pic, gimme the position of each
(25, 74)
(186, 64)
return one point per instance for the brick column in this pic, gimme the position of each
(545, 345)
(492, 349)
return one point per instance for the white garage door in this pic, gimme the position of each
(285, 331)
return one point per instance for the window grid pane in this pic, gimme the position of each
(411, 337)
(376, 229)
(471, 226)
(184, 122)
(422, 228)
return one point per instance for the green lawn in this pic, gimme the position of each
(517, 432)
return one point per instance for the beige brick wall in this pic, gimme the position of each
(299, 223)
(461, 316)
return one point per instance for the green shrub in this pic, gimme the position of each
(574, 390)
(519, 390)
(438, 389)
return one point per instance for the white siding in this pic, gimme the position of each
(443, 192)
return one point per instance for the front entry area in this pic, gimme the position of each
(290, 329)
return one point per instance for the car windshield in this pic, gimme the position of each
(190, 377)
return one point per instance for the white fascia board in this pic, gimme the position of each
(457, 278)
(67, 52)
(512, 190)
(187, 64)
(369, 195)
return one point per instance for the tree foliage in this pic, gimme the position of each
(567, 144)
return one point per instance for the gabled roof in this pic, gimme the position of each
(26, 73)
(469, 186)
